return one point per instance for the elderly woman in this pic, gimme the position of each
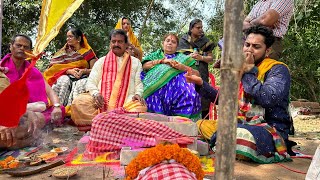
(165, 88)
(134, 47)
(70, 67)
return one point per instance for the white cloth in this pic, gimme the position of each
(135, 84)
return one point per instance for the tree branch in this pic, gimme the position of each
(145, 19)
(186, 17)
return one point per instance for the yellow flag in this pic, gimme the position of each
(54, 13)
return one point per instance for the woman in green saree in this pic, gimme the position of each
(165, 88)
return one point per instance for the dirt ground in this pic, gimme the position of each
(307, 136)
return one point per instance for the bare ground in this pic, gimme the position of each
(307, 136)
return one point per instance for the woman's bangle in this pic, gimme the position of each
(87, 71)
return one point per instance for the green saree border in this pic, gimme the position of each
(161, 74)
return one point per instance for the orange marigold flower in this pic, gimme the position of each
(14, 164)
(163, 152)
(8, 159)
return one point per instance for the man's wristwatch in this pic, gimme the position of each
(95, 94)
(56, 105)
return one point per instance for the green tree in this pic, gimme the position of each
(302, 50)
(19, 17)
(96, 18)
(301, 47)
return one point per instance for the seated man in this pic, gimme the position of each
(113, 82)
(264, 122)
(37, 114)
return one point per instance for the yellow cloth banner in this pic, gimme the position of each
(79, 160)
(54, 13)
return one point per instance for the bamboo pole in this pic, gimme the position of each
(1, 17)
(231, 64)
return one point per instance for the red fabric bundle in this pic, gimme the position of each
(14, 99)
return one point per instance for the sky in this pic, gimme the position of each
(207, 8)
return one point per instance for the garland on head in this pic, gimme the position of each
(161, 152)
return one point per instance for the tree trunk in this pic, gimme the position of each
(232, 60)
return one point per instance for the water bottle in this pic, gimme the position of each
(195, 51)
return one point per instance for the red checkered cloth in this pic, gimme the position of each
(111, 131)
(165, 171)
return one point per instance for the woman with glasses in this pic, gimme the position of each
(70, 67)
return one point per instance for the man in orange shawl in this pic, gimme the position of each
(134, 47)
(113, 82)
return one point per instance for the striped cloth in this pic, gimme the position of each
(166, 171)
(115, 81)
(111, 131)
(283, 7)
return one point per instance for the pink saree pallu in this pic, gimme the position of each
(166, 171)
(114, 130)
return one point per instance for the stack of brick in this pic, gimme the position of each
(306, 108)
(179, 124)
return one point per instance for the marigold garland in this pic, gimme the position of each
(163, 152)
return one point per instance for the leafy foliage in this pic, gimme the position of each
(97, 17)
(302, 51)
(19, 17)
(301, 47)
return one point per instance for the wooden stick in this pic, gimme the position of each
(232, 60)
(103, 173)
(108, 171)
(33, 170)
(33, 151)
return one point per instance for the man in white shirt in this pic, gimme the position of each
(275, 14)
(114, 81)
